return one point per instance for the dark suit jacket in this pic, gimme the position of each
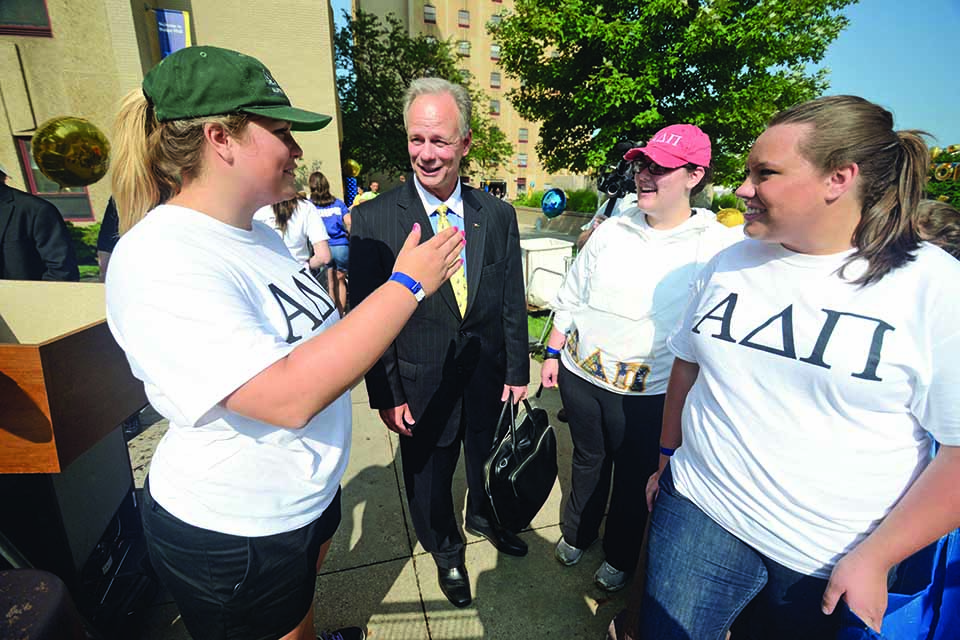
(440, 357)
(34, 241)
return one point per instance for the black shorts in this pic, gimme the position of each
(232, 587)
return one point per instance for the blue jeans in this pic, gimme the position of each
(702, 581)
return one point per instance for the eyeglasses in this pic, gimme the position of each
(655, 169)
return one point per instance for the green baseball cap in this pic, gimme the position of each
(208, 81)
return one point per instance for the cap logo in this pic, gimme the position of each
(271, 83)
(671, 139)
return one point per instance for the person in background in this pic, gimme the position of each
(335, 216)
(237, 345)
(299, 224)
(443, 381)
(939, 223)
(107, 237)
(35, 243)
(607, 350)
(816, 363)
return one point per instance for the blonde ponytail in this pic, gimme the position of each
(151, 158)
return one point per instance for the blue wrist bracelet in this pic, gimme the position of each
(412, 285)
(666, 451)
(552, 351)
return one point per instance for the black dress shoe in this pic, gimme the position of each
(505, 541)
(455, 584)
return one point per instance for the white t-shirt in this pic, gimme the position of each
(201, 307)
(624, 294)
(305, 228)
(810, 416)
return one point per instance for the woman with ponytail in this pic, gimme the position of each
(237, 345)
(816, 364)
(298, 223)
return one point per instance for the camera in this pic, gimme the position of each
(617, 180)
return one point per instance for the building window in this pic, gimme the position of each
(496, 19)
(73, 202)
(523, 135)
(25, 18)
(521, 187)
(495, 79)
(429, 14)
(521, 159)
(494, 107)
(463, 47)
(494, 52)
(463, 18)
(464, 74)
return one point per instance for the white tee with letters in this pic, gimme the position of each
(624, 294)
(201, 307)
(816, 398)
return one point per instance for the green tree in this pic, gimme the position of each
(376, 61)
(596, 72)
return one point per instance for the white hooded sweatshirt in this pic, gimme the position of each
(624, 294)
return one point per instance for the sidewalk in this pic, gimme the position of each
(378, 576)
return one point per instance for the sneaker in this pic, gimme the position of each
(347, 633)
(609, 578)
(566, 554)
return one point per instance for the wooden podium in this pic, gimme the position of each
(64, 382)
(67, 498)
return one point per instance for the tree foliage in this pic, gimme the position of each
(376, 61)
(596, 72)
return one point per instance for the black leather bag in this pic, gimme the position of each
(522, 468)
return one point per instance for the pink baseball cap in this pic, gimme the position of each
(675, 146)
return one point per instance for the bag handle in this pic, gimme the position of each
(513, 416)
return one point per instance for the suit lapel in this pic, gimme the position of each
(476, 228)
(6, 209)
(411, 211)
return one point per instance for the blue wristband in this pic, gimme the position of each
(552, 351)
(666, 451)
(412, 285)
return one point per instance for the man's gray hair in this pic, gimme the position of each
(439, 86)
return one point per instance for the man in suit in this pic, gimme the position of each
(464, 352)
(34, 241)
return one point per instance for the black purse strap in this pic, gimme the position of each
(513, 417)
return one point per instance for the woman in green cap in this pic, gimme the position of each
(238, 345)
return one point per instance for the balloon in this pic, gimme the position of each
(352, 168)
(730, 217)
(553, 203)
(71, 151)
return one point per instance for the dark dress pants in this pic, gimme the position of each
(615, 437)
(428, 474)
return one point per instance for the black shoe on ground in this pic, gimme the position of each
(505, 541)
(455, 584)
(347, 633)
(562, 415)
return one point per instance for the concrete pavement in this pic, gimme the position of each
(378, 576)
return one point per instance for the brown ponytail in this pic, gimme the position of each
(893, 166)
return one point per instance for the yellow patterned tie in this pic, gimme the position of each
(458, 280)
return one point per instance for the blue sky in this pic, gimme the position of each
(902, 54)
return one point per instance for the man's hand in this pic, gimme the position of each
(863, 584)
(397, 419)
(519, 393)
(548, 372)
